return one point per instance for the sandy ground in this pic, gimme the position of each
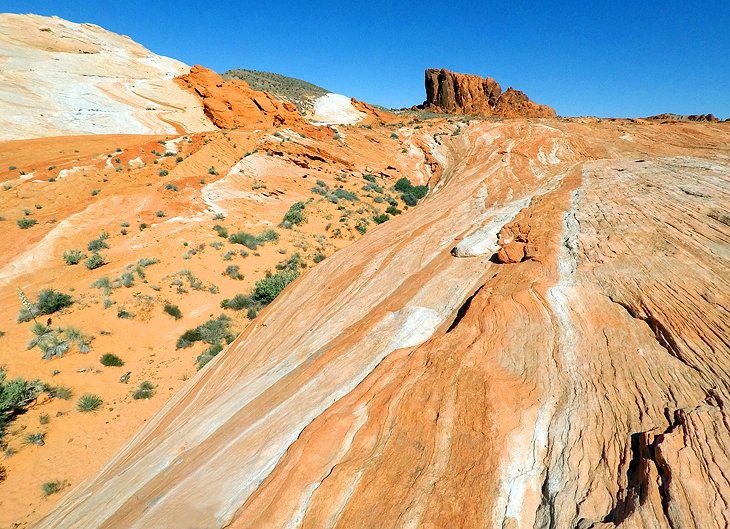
(77, 187)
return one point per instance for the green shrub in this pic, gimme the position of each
(160, 213)
(392, 210)
(26, 223)
(15, 396)
(234, 272)
(88, 402)
(380, 219)
(246, 239)
(265, 290)
(318, 257)
(171, 187)
(72, 257)
(295, 216)
(173, 310)
(145, 390)
(37, 438)
(208, 354)
(111, 360)
(211, 332)
(52, 487)
(251, 313)
(211, 170)
(49, 301)
(94, 262)
(98, 243)
(222, 231)
(163, 172)
(124, 314)
(238, 302)
(343, 194)
(61, 392)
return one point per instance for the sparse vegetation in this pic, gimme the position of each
(72, 257)
(25, 223)
(163, 172)
(95, 261)
(88, 402)
(145, 390)
(234, 272)
(49, 301)
(253, 241)
(173, 310)
(111, 360)
(410, 194)
(37, 438)
(295, 216)
(15, 396)
(52, 487)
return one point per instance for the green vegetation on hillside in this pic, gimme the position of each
(299, 92)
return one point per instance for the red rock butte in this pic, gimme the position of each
(457, 93)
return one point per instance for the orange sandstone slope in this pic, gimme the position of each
(411, 380)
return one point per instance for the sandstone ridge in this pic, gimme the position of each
(457, 93)
(61, 78)
(234, 104)
(542, 343)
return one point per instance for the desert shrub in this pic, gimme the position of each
(49, 301)
(37, 438)
(26, 223)
(393, 136)
(111, 360)
(99, 243)
(72, 257)
(127, 279)
(88, 402)
(44, 418)
(15, 396)
(208, 355)
(61, 392)
(222, 231)
(318, 257)
(145, 390)
(293, 263)
(238, 302)
(163, 172)
(265, 290)
(251, 313)
(171, 187)
(295, 216)
(143, 226)
(234, 272)
(52, 487)
(392, 210)
(173, 310)
(246, 239)
(94, 262)
(147, 261)
(267, 236)
(124, 314)
(212, 332)
(160, 214)
(380, 219)
(343, 194)
(212, 171)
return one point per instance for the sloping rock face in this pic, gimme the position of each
(457, 93)
(413, 380)
(234, 104)
(58, 78)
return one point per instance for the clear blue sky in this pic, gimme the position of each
(612, 58)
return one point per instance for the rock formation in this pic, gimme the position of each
(414, 379)
(58, 77)
(456, 93)
(692, 117)
(234, 104)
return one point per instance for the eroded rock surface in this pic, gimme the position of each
(59, 77)
(234, 104)
(457, 93)
(402, 383)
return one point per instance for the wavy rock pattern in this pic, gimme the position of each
(412, 381)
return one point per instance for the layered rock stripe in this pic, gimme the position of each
(411, 380)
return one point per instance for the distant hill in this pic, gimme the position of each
(299, 92)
